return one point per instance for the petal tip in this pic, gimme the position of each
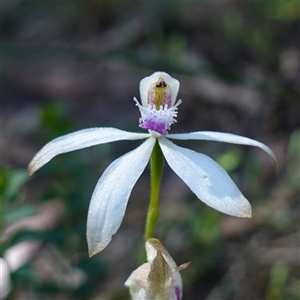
(95, 247)
(181, 267)
(93, 251)
(244, 212)
(248, 214)
(31, 170)
(91, 254)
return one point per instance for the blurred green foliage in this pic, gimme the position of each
(230, 159)
(278, 283)
(11, 182)
(54, 121)
(293, 159)
(281, 10)
(71, 188)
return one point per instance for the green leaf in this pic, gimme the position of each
(293, 166)
(10, 183)
(230, 159)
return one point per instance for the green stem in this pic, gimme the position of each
(156, 164)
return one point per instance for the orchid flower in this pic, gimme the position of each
(158, 278)
(158, 109)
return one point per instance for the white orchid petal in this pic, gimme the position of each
(78, 140)
(137, 282)
(206, 179)
(110, 197)
(5, 282)
(146, 83)
(223, 137)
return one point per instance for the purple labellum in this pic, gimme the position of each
(157, 120)
(155, 126)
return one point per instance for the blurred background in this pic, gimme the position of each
(66, 66)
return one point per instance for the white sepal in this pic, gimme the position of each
(78, 140)
(110, 197)
(137, 282)
(5, 282)
(225, 138)
(206, 179)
